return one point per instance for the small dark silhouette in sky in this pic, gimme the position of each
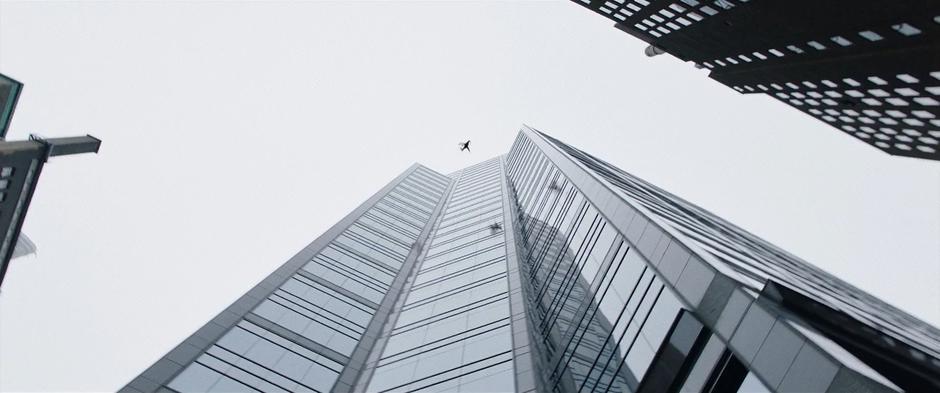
(464, 146)
(495, 227)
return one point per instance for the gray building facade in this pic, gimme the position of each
(547, 270)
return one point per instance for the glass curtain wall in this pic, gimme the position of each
(453, 332)
(753, 261)
(301, 336)
(601, 313)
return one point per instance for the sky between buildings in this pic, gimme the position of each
(235, 133)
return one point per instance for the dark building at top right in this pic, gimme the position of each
(868, 68)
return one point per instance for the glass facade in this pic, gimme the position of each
(302, 335)
(752, 261)
(602, 313)
(547, 270)
(453, 331)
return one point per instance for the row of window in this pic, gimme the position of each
(453, 332)
(355, 274)
(678, 15)
(366, 257)
(898, 30)
(322, 315)
(250, 358)
(875, 129)
(890, 112)
(318, 315)
(359, 260)
(603, 313)
(629, 332)
(684, 13)
(752, 261)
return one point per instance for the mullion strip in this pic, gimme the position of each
(381, 235)
(574, 273)
(207, 353)
(454, 369)
(404, 212)
(416, 192)
(355, 253)
(408, 202)
(252, 361)
(373, 246)
(462, 258)
(224, 375)
(474, 203)
(364, 307)
(411, 199)
(566, 246)
(462, 245)
(464, 241)
(452, 212)
(349, 273)
(457, 273)
(639, 332)
(448, 221)
(373, 221)
(597, 309)
(451, 292)
(457, 310)
(441, 343)
(276, 342)
(623, 335)
(389, 215)
(354, 334)
(477, 223)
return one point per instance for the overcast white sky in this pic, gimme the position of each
(235, 133)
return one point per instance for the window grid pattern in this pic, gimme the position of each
(872, 76)
(453, 331)
(677, 15)
(665, 17)
(327, 304)
(251, 358)
(896, 113)
(602, 314)
(617, 10)
(754, 260)
(850, 40)
(662, 17)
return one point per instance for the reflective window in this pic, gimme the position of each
(195, 378)
(599, 302)
(454, 330)
(251, 358)
(752, 385)
(330, 302)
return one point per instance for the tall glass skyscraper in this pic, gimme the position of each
(547, 270)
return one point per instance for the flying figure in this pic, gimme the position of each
(464, 145)
(495, 227)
